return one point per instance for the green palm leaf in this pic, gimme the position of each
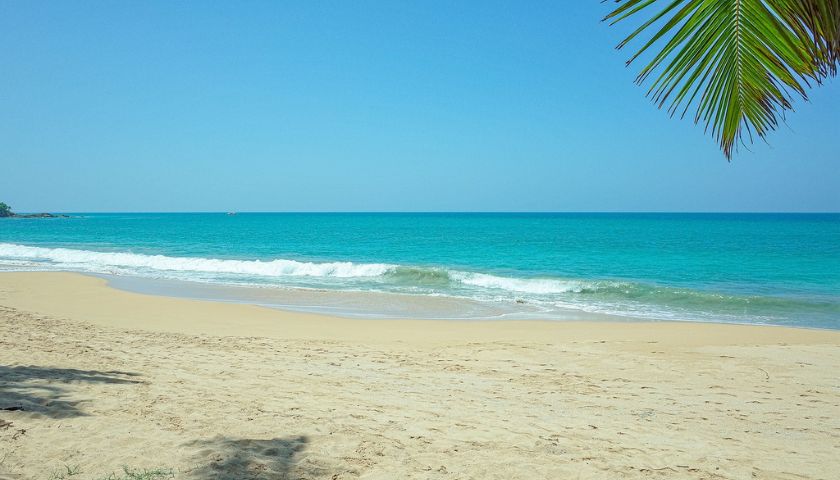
(739, 63)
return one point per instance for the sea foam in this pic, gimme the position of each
(523, 285)
(423, 277)
(271, 268)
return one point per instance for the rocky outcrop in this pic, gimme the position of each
(37, 215)
(6, 212)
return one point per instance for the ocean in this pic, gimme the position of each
(779, 269)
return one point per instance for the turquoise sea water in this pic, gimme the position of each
(751, 268)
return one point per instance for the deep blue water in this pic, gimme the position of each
(753, 268)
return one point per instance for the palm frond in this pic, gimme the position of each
(817, 22)
(740, 63)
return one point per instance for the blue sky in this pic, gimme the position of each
(325, 106)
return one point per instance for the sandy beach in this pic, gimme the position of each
(94, 380)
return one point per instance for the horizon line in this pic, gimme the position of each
(238, 212)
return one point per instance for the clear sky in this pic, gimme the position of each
(356, 105)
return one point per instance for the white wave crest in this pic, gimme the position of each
(541, 286)
(426, 279)
(273, 268)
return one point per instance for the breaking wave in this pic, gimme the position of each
(162, 263)
(421, 277)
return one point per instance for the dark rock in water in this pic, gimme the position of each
(6, 212)
(37, 215)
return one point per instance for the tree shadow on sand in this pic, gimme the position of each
(225, 458)
(44, 390)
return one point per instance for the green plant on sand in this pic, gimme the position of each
(5, 210)
(142, 474)
(66, 472)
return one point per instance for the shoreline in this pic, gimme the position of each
(130, 284)
(91, 299)
(349, 304)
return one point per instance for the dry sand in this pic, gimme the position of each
(206, 390)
